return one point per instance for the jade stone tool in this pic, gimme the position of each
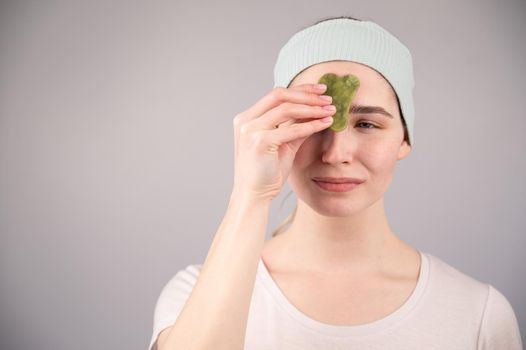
(342, 89)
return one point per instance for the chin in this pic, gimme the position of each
(337, 211)
(337, 206)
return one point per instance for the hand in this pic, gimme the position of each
(269, 133)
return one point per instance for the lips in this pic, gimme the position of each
(338, 180)
(336, 187)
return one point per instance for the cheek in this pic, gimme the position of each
(379, 157)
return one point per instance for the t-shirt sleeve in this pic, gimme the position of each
(172, 299)
(499, 328)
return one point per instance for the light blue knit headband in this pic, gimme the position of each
(359, 41)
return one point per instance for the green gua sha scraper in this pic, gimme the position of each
(342, 89)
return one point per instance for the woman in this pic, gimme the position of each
(338, 277)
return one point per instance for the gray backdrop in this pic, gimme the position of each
(116, 148)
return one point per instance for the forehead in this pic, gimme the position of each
(370, 79)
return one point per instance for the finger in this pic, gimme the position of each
(304, 94)
(289, 113)
(294, 93)
(297, 131)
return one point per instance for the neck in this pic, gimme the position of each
(352, 244)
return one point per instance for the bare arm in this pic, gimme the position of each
(216, 313)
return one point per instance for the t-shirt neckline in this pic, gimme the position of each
(336, 330)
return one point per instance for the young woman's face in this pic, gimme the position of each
(368, 149)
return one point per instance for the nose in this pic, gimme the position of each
(337, 147)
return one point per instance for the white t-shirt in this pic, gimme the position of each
(447, 310)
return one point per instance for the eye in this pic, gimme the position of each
(368, 125)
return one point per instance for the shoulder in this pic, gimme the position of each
(455, 294)
(465, 298)
(183, 281)
(452, 280)
(499, 328)
(176, 291)
(172, 299)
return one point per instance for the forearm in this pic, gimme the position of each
(216, 313)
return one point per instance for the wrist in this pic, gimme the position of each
(247, 197)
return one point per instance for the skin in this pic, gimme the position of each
(345, 238)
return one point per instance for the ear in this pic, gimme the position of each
(405, 149)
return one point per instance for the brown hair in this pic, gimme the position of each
(281, 227)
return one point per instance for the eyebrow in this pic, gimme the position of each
(360, 109)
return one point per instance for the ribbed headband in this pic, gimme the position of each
(359, 41)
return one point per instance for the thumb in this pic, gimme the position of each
(288, 153)
(296, 144)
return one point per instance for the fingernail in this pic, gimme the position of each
(321, 86)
